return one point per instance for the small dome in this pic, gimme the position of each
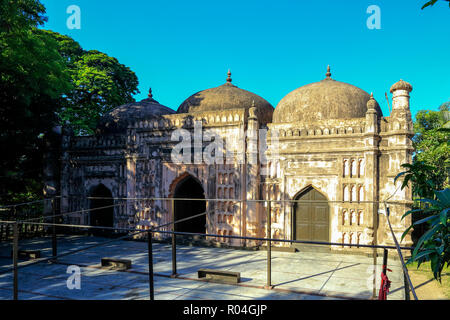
(118, 119)
(326, 99)
(401, 85)
(224, 97)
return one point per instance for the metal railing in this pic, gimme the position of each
(156, 229)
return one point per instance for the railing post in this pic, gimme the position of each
(54, 244)
(385, 260)
(1, 231)
(174, 244)
(7, 232)
(150, 264)
(269, 247)
(15, 258)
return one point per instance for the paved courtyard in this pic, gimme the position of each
(300, 275)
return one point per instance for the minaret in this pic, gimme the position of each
(371, 158)
(399, 131)
(400, 101)
(252, 181)
(372, 116)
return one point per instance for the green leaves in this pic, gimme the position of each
(21, 15)
(432, 2)
(33, 77)
(418, 173)
(434, 245)
(429, 3)
(431, 143)
(100, 83)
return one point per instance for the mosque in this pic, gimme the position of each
(326, 145)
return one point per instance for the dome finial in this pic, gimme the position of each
(371, 104)
(328, 74)
(150, 95)
(229, 76)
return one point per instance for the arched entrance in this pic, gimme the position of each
(101, 217)
(192, 189)
(311, 220)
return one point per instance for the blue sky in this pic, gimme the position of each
(272, 47)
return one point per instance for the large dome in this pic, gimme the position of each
(226, 96)
(119, 118)
(326, 99)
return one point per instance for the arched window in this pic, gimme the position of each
(346, 169)
(353, 194)
(344, 216)
(353, 168)
(345, 193)
(352, 217)
(361, 193)
(361, 167)
(360, 218)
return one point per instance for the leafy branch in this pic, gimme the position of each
(434, 245)
(432, 2)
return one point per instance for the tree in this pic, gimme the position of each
(47, 79)
(33, 77)
(100, 83)
(431, 142)
(429, 178)
(418, 173)
(432, 2)
(434, 245)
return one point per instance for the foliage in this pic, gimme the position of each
(432, 2)
(21, 14)
(434, 245)
(47, 79)
(428, 173)
(100, 83)
(431, 143)
(418, 173)
(33, 77)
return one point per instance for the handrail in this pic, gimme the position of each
(155, 229)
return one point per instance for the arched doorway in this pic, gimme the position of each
(190, 188)
(311, 220)
(101, 197)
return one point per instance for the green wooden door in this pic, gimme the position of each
(312, 217)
